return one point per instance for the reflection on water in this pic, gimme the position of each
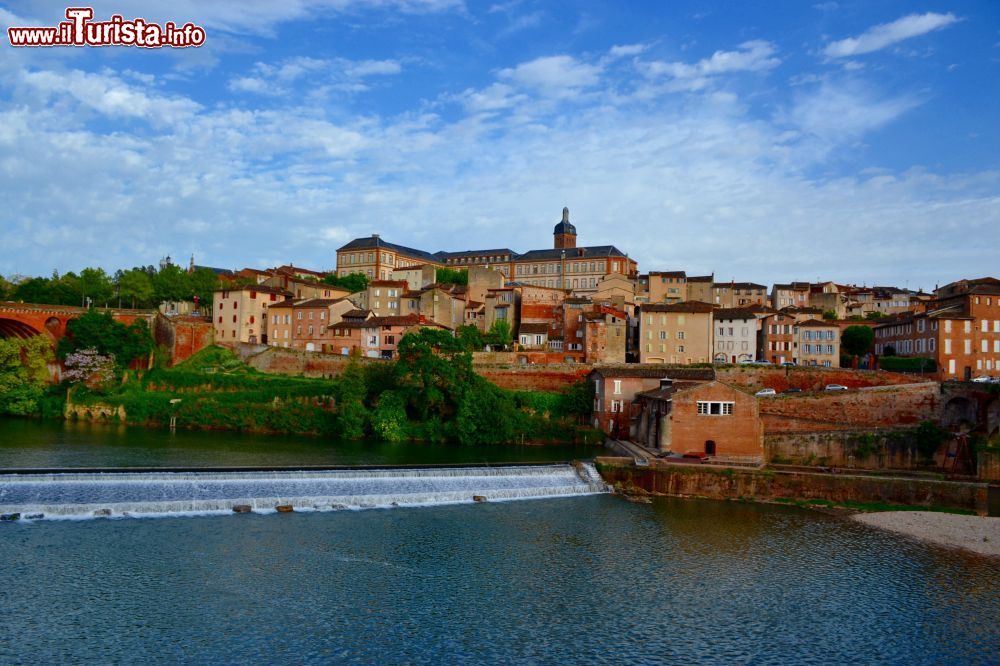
(47, 444)
(580, 580)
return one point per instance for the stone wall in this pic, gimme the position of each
(883, 407)
(756, 377)
(183, 336)
(858, 449)
(533, 377)
(988, 463)
(769, 485)
(282, 361)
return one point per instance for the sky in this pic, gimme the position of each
(848, 140)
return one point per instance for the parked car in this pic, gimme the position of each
(835, 387)
(788, 364)
(763, 393)
(792, 390)
(983, 379)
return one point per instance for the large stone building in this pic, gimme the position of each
(675, 333)
(304, 324)
(960, 330)
(735, 335)
(239, 314)
(565, 266)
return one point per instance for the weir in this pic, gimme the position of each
(85, 495)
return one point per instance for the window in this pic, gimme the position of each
(680, 335)
(618, 387)
(663, 335)
(712, 408)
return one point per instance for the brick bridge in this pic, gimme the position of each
(25, 320)
(977, 405)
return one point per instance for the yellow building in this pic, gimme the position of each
(675, 332)
(239, 314)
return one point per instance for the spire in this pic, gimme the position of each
(565, 214)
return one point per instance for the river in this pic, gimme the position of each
(588, 579)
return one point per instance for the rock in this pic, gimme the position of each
(478, 498)
(102, 513)
(34, 516)
(10, 517)
(242, 508)
(394, 504)
(284, 508)
(338, 507)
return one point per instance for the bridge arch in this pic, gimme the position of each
(13, 328)
(957, 411)
(993, 418)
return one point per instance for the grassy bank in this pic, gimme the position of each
(215, 390)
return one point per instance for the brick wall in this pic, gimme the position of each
(533, 377)
(864, 449)
(307, 364)
(183, 336)
(807, 379)
(873, 408)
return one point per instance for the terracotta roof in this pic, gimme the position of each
(532, 329)
(816, 323)
(734, 313)
(655, 371)
(668, 273)
(683, 306)
(740, 285)
(701, 278)
(262, 288)
(375, 322)
(354, 314)
(387, 283)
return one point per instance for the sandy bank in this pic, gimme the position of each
(975, 533)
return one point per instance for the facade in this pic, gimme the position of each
(710, 418)
(734, 335)
(373, 337)
(700, 288)
(239, 314)
(304, 324)
(377, 259)
(818, 343)
(616, 410)
(960, 331)
(301, 288)
(779, 341)
(666, 287)
(678, 333)
(565, 266)
(605, 335)
(738, 294)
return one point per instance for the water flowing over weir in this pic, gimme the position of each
(84, 495)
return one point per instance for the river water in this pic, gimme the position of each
(587, 579)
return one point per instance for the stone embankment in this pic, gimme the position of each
(768, 485)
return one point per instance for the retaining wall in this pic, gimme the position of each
(770, 485)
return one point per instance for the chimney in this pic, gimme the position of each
(666, 383)
(375, 236)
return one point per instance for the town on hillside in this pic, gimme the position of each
(574, 303)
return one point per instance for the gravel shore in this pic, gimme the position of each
(975, 533)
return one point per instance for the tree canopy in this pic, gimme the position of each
(857, 340)
(354, 282)
(99, 331)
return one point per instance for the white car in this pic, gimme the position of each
(835, 387)
(983, 379)
(763, 393)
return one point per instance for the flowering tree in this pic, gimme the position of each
(90, 367)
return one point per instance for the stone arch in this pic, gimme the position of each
(14, 328)
(958, 410)
(993, 417)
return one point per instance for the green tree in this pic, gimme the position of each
(33, 290)
(172, 283)
(65, 290)
(100, 331)
(829, 314)
(135, 288)
(354, 282)
(857, 340)
(94, 284)
(874, 314)
(203, 283)
(928, 437)
(500, 334)
(577, 400)
(350, 390)
(6, 289)
(486, 415)
(470, 337)
(23, 374)
(453, 276)
(389, 419)
(432, 372)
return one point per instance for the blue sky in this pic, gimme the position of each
(848, 140)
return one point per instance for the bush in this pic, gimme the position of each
(907, 364)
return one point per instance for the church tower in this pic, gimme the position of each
(564, 233)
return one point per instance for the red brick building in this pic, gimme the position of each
(616, 410)
(709, 418)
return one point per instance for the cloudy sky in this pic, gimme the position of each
(852, 140)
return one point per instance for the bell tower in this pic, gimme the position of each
(564, 233)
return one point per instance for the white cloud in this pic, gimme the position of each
(627, 50)
(341, 74)
(887, 34)
(553, 75)
(752, 56)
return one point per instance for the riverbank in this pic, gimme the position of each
(977, 534)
